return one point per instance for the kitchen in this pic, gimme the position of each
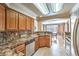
(24, 35)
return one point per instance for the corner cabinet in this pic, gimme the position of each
(2, 18)
(12, 19)
(42, 41)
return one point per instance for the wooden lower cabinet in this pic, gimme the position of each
(21, 48)
(42, 41)
(47, 41)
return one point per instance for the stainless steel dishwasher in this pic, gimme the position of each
(30, 47)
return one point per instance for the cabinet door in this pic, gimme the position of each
(28, 24)
(21, 48)
(47, 41)
(2, 18)
(37, 44)
(22, 22)
(12, 20)
(32, 24)
(42, 41)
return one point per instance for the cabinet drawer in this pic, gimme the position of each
(20, 47)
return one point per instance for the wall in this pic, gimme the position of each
(66, 30)
(61, 29)
(35, 25)
(40, 26)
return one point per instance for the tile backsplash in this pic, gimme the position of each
(7, 37)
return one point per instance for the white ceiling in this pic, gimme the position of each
(67, 7)
(31, 10)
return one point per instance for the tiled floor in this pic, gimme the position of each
(57, 48)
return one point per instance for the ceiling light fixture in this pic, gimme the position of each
(42, 7)
(56, 6)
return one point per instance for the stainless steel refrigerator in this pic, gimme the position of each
(76, 37)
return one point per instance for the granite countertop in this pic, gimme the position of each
(18, 41)
(24, 40)
(43, 33)
(11, 46)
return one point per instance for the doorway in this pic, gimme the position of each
(57, 31)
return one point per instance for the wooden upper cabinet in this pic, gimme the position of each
(32, 24)
(12, 19)
(22, 22)
(2, 18)
(28, 27)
